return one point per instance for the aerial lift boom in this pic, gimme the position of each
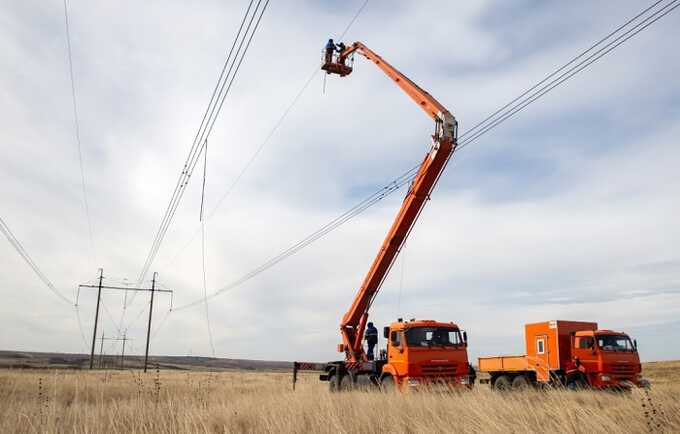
(443, 144)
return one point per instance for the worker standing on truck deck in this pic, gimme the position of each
(330, 47)
(371, 339)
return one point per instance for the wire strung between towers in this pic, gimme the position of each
(86, 206)
(264, 143)
(485, 126)
(205, 284)
(24, 254)
(376, 197)
(227, 74)
(519, 103)
(226, 79)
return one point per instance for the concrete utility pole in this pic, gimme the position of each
(122, 354)
(101, 352)
(96, 316)
(99, 287)
(148, 329)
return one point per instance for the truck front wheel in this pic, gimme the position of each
(578, 383)
(387, 384)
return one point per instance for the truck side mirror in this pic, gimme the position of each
(465, 337)
(635, 343)
(386, 332)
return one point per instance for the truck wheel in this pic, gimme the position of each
(387, 384)
(520, 382)
(346, 383)
(332, 384)
(502, 383)
(578, 383)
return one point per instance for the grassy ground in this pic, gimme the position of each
(34, 401)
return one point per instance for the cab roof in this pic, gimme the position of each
(421, 323)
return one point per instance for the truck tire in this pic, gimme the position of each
(347, 383)
(387, 384)
(332, 383)
(502, 383)
(520, 382)
(578, 383)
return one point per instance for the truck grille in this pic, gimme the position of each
(444, 370)
(622, 370)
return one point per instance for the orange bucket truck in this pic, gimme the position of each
(419, 352)
(574, 354)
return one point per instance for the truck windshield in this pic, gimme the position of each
(433, 336)
(614, 343)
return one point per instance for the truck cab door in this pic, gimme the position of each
(584, 349)
(396, 352)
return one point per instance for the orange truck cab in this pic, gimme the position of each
(574, 354)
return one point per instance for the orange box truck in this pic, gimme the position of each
(574, 354)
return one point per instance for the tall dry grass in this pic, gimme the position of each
(236, 402)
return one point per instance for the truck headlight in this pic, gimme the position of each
(465, 381)
(413, 382)
(604, 377)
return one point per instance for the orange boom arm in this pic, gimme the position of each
(443, 145)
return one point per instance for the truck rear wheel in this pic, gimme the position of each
(346, 382)
(502, 383)
(520, 382)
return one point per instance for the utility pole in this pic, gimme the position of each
(122, 354)
(148, 329)
(101, 352)
(99, 288)
(96, 316)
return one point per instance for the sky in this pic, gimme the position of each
(566, 211)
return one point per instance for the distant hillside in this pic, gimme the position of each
(34, 360)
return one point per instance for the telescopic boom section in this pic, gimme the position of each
(443, 145)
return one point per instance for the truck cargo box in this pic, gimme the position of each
(548, 344)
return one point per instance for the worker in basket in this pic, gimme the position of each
(330, 47)
(371, 340)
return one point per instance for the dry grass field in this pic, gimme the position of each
(70, 401)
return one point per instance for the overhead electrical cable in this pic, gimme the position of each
(541, 91)
(561, 68)
(217, 99)
(507, 113)
(24, 254)
(232, 66)
(393, 186)
(205, 283)
(264, 143)
(86, 206)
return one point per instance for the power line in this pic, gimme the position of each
(396, 184)
(561, 68)
(248, 164)
(24, 254)
(516, 108)
(351, 22)
(86, 205)
(206, 126)
(390, 188)
(203, 254)
(212, 111)
(268, 137)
